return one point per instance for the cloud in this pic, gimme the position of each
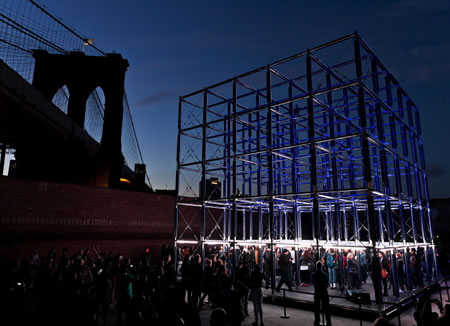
(155, 98)
(429, 62)
(436, 170)
(431, 51)
(430, 72)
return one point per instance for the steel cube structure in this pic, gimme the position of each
(322, 148)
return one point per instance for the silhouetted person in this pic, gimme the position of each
(218, 317)
(196, 278)
(207, 281)
(124, 292)
(414, 262)
(256, 295)
(177, 303)
(320, 280)
(445, 318)
(242, 283)
(268, 265)
(229, 300)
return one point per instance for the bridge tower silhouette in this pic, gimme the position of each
(82, 74)
(50, 145)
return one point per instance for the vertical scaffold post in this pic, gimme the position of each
(230, 190)
(385, 176)
(407, 190)
(203, 182)
(295, 214)
(235, 186)
(398, 182)
(270, 166)
(312, 150)
(334, 220)
(367, 173)
(177, 188)
(2, 158)
(258, 179)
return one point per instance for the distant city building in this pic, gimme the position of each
(213, 189)
(140, 171)
(12, 168)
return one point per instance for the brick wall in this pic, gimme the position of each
(43, 215)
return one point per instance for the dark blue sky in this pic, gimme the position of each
(175, 47)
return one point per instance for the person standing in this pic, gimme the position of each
(363, 266)
(292, 275)
(186, 274)
(401, 270)
(207, 281)
(252, 257)
(124, 292)
(305, 267)
(332, 264)
(196, 279)
(268, 266)
(414, 263)
(320, 281)
(242, 283)
(384, 272)
(285, 270)
(429, 267)
(352, 272)
(256, 279)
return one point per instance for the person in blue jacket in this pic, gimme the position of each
(332, 264)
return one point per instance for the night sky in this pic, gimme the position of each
(176, 47)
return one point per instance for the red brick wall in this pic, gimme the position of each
(43, 215)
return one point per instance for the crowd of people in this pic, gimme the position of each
(87, 287)
(350, 269)
(91, 287)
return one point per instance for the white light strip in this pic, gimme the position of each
(284, 199)
(187, 204)
(312, 243)
(251, 244)
(187, 241)
(327, 197)
(216, 242)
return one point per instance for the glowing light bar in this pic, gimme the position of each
(187, 241)
(215, 242)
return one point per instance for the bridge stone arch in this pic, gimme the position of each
(82, 75)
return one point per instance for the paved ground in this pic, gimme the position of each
(298, 317)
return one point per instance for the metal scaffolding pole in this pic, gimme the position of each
(177, 186)
(270, 172)
(367, 174)
(2, 158)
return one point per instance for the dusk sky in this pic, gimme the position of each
(176, 47)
